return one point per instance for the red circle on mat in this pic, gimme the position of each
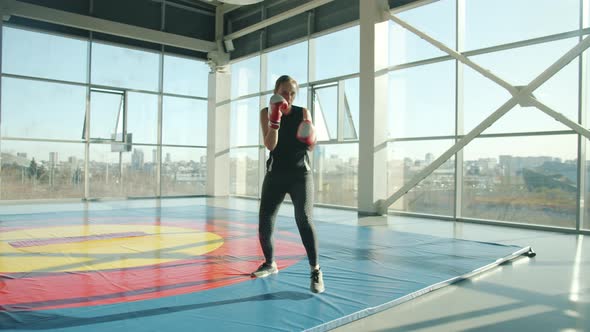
(229, 264)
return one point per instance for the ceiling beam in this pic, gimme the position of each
(277, 18)
(50, 15)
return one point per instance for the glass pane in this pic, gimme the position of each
(291, 60)
(300, 98)
(42, 170)
(337, 53)
(482, 96)
(245, 122)
(436, 19)
(184, 171)
(106, 110)
(124, 67)
(139, 176)
(351, 109)
(529, 180)
(519, 66)
(435, 193)
(422, 101)
(142, 117)
(521, 20)
(245, 77)
(326, 113)
(105, 177)
(336, 174)
(560, 93)
(43, 55)
(122, 174)
(244, 172)
(35, 109)
(184, 121)
(183, 76)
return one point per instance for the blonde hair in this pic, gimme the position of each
(283, 79)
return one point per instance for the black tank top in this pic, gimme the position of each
(290, 154)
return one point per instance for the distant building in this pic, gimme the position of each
(512, 165)
(53, 159)
(137, 159)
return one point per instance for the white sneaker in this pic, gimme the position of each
(264, 270)
(317, 281)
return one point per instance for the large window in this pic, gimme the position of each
(184, 171)
(434, 194)
(43, 55)
(245, 77)
(336, 174)
(436, 20)
(520, 20)
(524, 167)
(336, 54)
(415, 113)
(524, 179)
(244, 172)
(334, 105)
(52, 114)
(41, 148)
(244, 140)
(39, 170)
(184, 121)
(183, 76)
(519, 67)
(142, 117)
(335, 112)
(31, 110)
(291, 60)
(245, 122)
(124, 67)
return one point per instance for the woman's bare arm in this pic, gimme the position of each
(270, 136)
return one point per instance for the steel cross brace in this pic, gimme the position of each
(520, 95)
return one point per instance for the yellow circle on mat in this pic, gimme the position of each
(100, 247)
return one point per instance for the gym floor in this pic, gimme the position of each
(544, 293)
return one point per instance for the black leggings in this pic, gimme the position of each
(274, 189)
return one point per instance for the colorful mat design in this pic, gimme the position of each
(188, 267)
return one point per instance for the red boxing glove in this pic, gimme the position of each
(275, 110)
(306, 133)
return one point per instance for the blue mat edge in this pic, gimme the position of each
(388, 305)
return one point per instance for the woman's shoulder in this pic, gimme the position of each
(305, 112)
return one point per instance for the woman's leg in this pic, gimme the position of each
(273, 194)
(301, 192)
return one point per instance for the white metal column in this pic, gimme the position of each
(373, 105)
(218, 116)
(581, 215)
(459, 105)
(218, 126)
